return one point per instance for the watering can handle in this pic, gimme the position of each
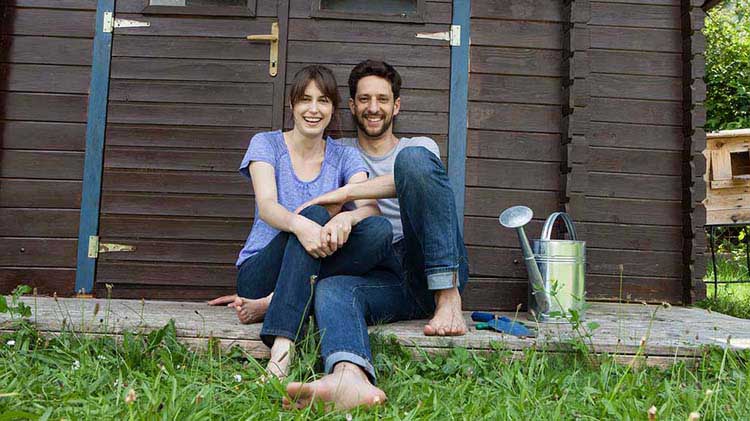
(550, 222)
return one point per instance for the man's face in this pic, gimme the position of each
(373, 108)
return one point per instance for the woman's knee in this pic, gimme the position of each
(316, 213)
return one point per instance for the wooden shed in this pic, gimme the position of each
(132, 134)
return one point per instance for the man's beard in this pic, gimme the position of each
(361, 122)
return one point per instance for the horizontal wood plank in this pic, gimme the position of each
(173, 276)
(163, 159)
(635, 15)
(24, 193)
(514, 117)
(38, 252)
(42, 164)
(191, 252)
(636, 63)
(43, 135)
(177, 137)
(196, 26)
(46, 78)
(636, 39)
(176, 205)
(435, 11)
(491, 294)
(507, 33)
(352, 53)
(47, 50)
(633, 111)
(124, 180)
(189, 69)
(513, 145)
(634, 186)
(355, 31)
(31, 222)
(174, 228)
(633, 211)
(490, 202)
(531, 10)
(60, 281)
(45, 107)
(517, 89)
(515, 61)
(51, 22)
(636, 136)
(635, 161)
(512, 174)
(636, 87)
(190, 115)
(194, 92)
(162, 46)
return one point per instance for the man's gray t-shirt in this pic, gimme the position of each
(382, 165)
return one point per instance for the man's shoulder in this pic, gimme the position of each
(424, 141)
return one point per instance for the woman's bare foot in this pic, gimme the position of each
(448, 319)
(248, 311)
(347, 387)
(282, 353)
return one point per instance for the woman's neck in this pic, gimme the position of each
(303, 146)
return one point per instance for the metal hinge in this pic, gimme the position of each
(110, 23)
(95, 247)
(454, 35)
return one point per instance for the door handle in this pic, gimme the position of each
(273, 37)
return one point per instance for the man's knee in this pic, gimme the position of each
(414, 162)
(316, 213)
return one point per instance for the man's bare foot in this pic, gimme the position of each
(448, 319)
(282, 353)
(346, 388)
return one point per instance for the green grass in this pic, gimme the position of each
(84, 377)
(731, 299)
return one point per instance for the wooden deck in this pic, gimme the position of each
(667, 334)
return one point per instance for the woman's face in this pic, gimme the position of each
(312, 113)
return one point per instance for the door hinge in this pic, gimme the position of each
(454, 35)
(95, 247)
(110, 23)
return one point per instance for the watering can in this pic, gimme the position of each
(556, 268)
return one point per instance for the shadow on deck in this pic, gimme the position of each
(665, 334)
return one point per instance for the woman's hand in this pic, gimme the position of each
(309, 235)
(336, 232)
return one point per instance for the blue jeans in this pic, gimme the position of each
(431, 256)
(285, 268)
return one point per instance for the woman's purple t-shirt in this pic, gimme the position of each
(340, 163)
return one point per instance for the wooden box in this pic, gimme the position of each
(728, 177)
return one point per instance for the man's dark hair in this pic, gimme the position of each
(375, 68)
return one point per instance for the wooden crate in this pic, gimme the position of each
(728, 177)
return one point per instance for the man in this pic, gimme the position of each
(428, 268)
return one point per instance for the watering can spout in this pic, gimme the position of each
(516, 217)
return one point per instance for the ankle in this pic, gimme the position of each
(447, 296)
(345, 367)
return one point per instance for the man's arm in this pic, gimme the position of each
(377, 188)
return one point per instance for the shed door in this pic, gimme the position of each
(186, 93)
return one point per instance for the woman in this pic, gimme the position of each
(286, 251)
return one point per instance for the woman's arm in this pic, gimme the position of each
(277, 216)
(336, 232)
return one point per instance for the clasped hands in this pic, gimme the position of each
(318, 241)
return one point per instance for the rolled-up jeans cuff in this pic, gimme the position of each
(442, 280)
(350, 357)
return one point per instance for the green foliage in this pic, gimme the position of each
(16, 308)
(727, 30)
(88, 377)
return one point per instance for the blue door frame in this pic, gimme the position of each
(93, 163)
(97, 120)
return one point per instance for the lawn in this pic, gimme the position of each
(731, 299)
(154, 377)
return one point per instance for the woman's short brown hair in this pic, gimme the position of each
(324, 80)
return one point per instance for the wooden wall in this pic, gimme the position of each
(513, 145)
(45, 66)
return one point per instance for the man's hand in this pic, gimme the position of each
(332, 200)
(336, 232)
(309, 234)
